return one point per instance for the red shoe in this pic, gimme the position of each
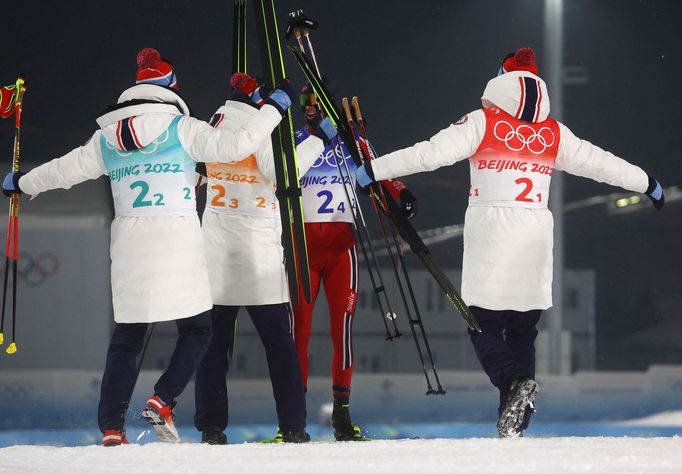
(114, 438)
(160, 416)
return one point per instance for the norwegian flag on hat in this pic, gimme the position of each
(153, 69)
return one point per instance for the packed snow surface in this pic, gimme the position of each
(475, 455)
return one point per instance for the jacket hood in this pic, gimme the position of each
(236, 113)
(521, 94)
(141, 114)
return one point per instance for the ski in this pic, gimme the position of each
(239, 37)
(286, 169)
(392, 210)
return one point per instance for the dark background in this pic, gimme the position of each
(417, 67)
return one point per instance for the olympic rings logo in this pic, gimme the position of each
(331, 158)
(524, 137)
(35, 271)
(148, 150)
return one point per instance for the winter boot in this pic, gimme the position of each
(160, 416)
(344, 429)
(114, 438)
(295, 436)
(515, 414)
(213, 436)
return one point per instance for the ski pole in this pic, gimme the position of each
(147, 338)
(13, 223)
(301, 24)
(144, 350)
(366, 242)
(7, 259)
(391, 313)
(415, 322)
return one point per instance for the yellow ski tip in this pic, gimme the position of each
(2, 338)
(12, 348)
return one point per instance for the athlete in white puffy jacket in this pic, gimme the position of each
(243, 238)
(148, 145)
(513, 147)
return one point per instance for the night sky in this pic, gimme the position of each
(417, 66)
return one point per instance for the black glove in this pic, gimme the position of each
(655, 193)
(408, 203)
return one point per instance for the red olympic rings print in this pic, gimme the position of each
(524, 136)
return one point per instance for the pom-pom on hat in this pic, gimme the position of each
(153, 69)
(243, 83)
(522, 60)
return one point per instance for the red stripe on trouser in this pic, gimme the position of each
(331, 265)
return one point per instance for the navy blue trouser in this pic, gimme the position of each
(506, 345)
(274, 328)
(120, 373)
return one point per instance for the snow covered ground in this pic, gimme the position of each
(476, 455)
(652, 444)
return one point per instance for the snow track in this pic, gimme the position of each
(475, 455)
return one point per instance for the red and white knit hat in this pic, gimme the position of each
(522, 60)
(155, 70)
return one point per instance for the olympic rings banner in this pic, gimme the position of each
(34, 270)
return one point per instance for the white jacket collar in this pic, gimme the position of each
(168, 102)
(154, 108)
(519, 93)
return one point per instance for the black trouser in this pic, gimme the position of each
(120, 373)
(506, 345)
(274, 328)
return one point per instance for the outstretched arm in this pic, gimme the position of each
(582, 158)
(456, 143)
(208, 144)
(306, 153)
(80, 164)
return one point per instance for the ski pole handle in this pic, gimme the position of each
(346, 109)
(21, 88)
(356, 107)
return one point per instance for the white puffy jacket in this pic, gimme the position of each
(507, 262)
(158, 269)
(241, 224)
